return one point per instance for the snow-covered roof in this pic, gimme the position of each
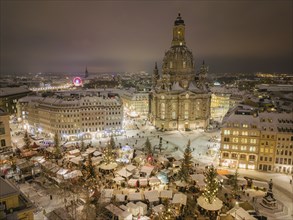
(152, 195)
(7, 91)
(179, 198)
(176, 87)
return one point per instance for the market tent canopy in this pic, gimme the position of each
(74, 152)
(132, 208)
(90, 150)
(216, 205)
(180, 183)
(107, 193)
(152, 196)
(114, 209)
(132, 182)
(147, 169)
(199, 178)
(123, 172)
(143, 181)
(143, 208)
(130, 167)
(135, 196)
(110, 166)
(154, 180)
(179, 198)
(97, 153)
(240, 213)
(73, 174)
(120, 197)
(159, 208)
(166, 194)
(118, 179)
(76, 160)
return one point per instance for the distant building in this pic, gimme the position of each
(73, 115)
(257, 140)
(5, 137)
(222, 100)
(136, 103)
(180, 99)
(9, 97)
(13, 204)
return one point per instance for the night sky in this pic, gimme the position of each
(106, 36)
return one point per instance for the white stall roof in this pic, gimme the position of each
(130, 167)
(114, 209)
(147, 169)
(107, 193)
(123, 172)
(179, 198)
(120, 197)
(135, 196)
(154, 180)
(159, 208)
(166, 194)
(152, 195)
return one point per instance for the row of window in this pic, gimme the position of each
(240, 140)
(286, 161)
(241, 156)
(244, 133)
(284, 152)
(237, 125)
(242, 148)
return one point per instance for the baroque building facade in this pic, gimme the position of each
(180, 99)
(257, 140)
(86, 114)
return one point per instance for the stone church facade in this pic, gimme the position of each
(180, 99)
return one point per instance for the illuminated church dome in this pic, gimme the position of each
(178, 61)
(180, 99)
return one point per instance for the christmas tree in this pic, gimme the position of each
(234, 183)
(168, 213)
(148, 147)
(57, 150)
(91, 168)
(109, 151)
(211, 187)
(82, 145)
(27, 140)
(186, 164)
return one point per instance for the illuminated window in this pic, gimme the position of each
(227, 132)
(184, 63)
(253, 141)
(242, 156)
(171, 64)
(234, 147)
(244, 140)
(252, 149)
(235, 132)
(235, 140)
(163, 107)
(186, 107)
(243, 148)
(174, 115)
(226, 146)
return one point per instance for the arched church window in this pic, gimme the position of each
(163, 109)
